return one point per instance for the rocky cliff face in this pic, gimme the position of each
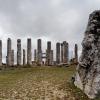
(88, 71)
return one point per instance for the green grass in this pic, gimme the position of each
(38, 82)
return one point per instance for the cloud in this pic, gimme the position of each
(55, 20)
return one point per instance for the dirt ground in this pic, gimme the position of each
(39, 83)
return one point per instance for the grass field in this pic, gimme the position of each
(39, 83)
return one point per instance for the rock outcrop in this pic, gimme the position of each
(88, 71)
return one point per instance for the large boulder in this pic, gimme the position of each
(88, 70)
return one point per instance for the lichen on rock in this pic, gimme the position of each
(88, 70)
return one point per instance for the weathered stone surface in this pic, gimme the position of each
(52, 57)
(6, 60)
(0, 52)
(88, 71)
(39, 52)
(58, 53)
(48, 53)
(29, 53)
(76, 53)
(65, 52)
(12, 57)
(24, 57)
(19, 52)
(8, 52)
(62, 52)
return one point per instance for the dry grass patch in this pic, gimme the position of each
(39, 83)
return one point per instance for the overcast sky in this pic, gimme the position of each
(53, 20)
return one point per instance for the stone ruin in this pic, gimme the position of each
(39, 55)
(24, 57)
(8, 58)
(88, 71)
(58, 53)
(39, 52)
(29, 53)
(18, 52)
(76, 54)
(48, 54)
(74, 60)
(62, 54)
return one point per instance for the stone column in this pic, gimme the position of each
(6, 60)
(52, 59)
(65, 52)
(48, 53)
(24, 57)
(29, 53)
(12, 57)
(76, 53)
(9, 52)
(39, 52)
(0, 52)
(35, 55)
(62, 49)
(19, 52)
(57, 53)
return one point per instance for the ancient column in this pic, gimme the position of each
(39, 52)
(58, 53)
(24, 57)
(62, 49)
(19, 52)
(8, 52)
(76, 53)
(35, 55)
(0, 52)
(12, 57)
(6, 60)
(65, 52)
(48, 53)
(52, 59)
(29, 53)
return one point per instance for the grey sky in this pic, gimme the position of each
(54, 20)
